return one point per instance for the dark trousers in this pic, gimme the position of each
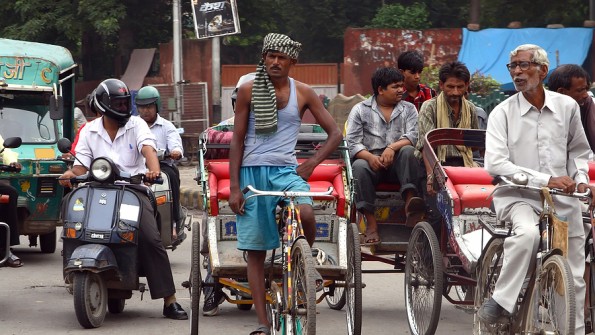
(8, 215)
(174, 181)
(152, 255)
(404, 170)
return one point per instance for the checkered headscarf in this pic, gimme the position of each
(264, 100)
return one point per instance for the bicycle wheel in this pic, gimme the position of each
(423, 280)
(488, 271)
(353, 281)
(195, 279)
(303, 293)
(552, 309)
(591, 293)
(338, 299)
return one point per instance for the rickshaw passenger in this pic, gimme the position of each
(538, 132)
(381, 135)
(411, 65)
(450, 109)
(8, 211)
(268, 116)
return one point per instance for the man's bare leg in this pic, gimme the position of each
(308, 223)
(256, 260)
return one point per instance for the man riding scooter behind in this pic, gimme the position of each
(128, 142)
(148, 104)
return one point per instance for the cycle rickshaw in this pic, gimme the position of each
(336, 251)
(441, 259)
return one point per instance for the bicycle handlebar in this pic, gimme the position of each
(509, 183)
(287, 194)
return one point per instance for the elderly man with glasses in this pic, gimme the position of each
(538, 132)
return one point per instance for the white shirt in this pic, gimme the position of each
(125, 150)
(167, 137)
(546, 143)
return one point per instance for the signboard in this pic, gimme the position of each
(216, 18)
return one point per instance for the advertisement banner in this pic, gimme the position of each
(216, 18)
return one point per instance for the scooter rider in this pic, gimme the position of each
(148, 102)
(128, 142)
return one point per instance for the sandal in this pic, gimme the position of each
(262, 329)
(13, 261)
(371, 238)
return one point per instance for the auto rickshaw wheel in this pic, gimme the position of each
(47, 242)
(116, 305)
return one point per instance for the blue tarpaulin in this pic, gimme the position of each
(489, 50)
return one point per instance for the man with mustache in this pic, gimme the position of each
(574, 81)
(267, 121)
(537, 132)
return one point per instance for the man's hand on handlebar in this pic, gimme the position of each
(150, 176)
(236, 202)
(17, 166)
(64, 179)
(563, 183)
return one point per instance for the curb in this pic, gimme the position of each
(191, 197)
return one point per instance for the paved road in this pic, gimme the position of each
(33, 300)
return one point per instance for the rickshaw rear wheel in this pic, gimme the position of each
(90, 299)
(195, 279)
(353, 281)
(423, 280)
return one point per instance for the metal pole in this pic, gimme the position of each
(591, 10)
(177, 63)
(216, 75)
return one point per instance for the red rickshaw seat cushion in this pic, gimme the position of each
(469, 187)
(325, 175)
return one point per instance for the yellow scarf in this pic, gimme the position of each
(443, 121)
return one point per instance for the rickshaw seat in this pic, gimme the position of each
(592, 172)
(469, 187)
(328, 173)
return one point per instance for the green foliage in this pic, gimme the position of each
(414, 16)
(429, 76)
(483, 85)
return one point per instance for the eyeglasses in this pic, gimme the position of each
(523, 65)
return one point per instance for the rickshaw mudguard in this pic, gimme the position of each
(94, 257)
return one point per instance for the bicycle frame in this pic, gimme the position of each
(293, 232)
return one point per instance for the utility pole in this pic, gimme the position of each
(177, 64)
(216, 75)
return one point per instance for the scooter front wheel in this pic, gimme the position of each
(90, 299)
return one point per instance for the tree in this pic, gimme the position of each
(414, 16)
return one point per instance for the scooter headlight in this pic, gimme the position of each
(101, 169)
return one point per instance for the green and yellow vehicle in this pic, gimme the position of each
(36, 103)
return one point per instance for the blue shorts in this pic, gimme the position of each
(257, 227)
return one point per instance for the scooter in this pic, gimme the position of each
(10, 143)
(100, 235)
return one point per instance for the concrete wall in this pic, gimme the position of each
(367, 49)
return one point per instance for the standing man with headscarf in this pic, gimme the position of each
(268, 116)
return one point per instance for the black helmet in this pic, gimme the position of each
(112, 99)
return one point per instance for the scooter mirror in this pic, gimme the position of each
(12, 142)
(64, 145)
